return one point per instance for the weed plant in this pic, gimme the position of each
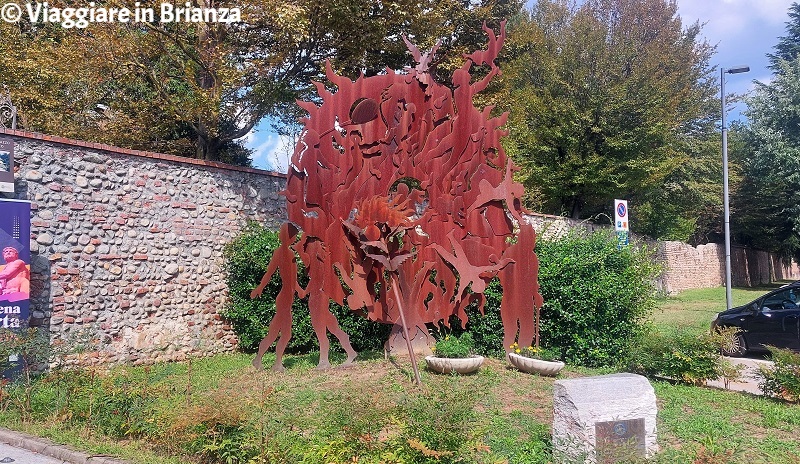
(545, 354)
(455, 346)
(679, 355)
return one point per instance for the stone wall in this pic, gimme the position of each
(704, 266)
(549, 226)
(127, 246)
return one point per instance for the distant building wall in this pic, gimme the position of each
(704, 266)
(127, 246)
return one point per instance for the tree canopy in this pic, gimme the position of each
(195, 89)
(611, 98)
(766, 203)
(788, 46)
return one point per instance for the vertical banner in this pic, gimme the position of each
(621, 223)
(6, 166)
(15, 268)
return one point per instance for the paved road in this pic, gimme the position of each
(16, 455)
(748, 378)
(27, 449)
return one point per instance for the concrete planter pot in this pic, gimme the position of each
(533, 365)
(450, 365)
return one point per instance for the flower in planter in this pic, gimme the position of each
(545, 354)
(538, 360)
(455, 346)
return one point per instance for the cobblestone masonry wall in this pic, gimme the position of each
(127, 246)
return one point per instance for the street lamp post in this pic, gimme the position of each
(726, 205)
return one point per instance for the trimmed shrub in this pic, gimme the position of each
(246, 259)
(596, 299)
(596, 296)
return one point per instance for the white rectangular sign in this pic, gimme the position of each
(6, 166)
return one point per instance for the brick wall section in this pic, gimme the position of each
(127, 245)
(704, 267)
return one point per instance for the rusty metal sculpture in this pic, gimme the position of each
(407, 205)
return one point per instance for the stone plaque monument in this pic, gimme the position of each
(604, 419)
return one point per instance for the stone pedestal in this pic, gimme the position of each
(604, 419)
(421, 342)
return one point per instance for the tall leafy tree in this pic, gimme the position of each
(766, 204)
(196, 89)
(611, 98)
(788, 46)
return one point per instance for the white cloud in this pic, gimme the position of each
(728, 18)
(270, 151)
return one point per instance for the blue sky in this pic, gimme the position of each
(744, 31)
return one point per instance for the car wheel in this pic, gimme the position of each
(734, 345)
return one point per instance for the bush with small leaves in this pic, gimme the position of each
(783, 379)
(678, 355)
(596, 296)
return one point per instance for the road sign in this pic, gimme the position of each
(621, 215)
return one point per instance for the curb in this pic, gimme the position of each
(46, 447)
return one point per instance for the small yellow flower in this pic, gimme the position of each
(517, 350)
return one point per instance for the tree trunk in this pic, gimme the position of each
(206, 146)
(577, 208)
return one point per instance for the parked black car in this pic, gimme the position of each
(773, 319)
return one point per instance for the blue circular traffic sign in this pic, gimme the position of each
(621, 210)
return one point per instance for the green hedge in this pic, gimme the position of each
(596, 298)
(246, 260)
(677, 354)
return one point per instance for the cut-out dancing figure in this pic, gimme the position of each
(283, 260)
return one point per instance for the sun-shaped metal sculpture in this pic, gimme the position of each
(407, 204)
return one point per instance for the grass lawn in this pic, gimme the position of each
(220, 409)
(373, 411)
(695, 309)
